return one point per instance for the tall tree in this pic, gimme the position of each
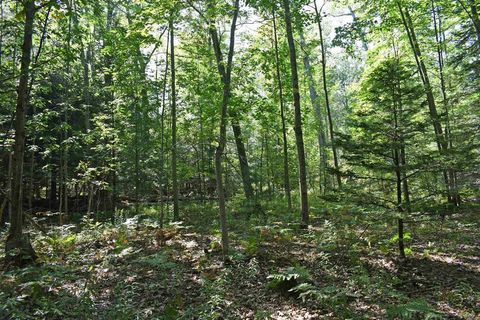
(302, 166)
(225, 71)
(326, 95)
(18, 247)
(315, 100)
(442, 143)
(286, 172)
(176, 214)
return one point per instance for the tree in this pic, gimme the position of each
(315, 100)
(18, 248)
(286, 173)
(386, 122)
(326, 94)
(176, 214)
(225, 72)
(302, 166)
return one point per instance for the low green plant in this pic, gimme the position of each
(288, 279)
(412, 310)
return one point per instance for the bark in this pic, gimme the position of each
(109, 96)
(242, 158)
(408, 24)
(286, 173)
(202, 153)
(327, 99)
(437, 23)
(318, 114)
(8, 195)
(162, 136)
(137, 160)
(34, 109)
(18, 248)
(176, 215)
(1, 32)
(302, 167)
(475, 19)
(53, 187)
(471, 10)
(225, 72)
(432, 107)
(84, 59)
(398, 175)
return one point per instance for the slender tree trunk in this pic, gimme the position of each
(65, 168)
(137, 161)
(327, 99)
(472, 12)
(16, 239)
(401, 242)
(317, 108)
(176, 215)
(109, 97)
(5, 215)
(9, 184)
(1, 32)
(84, 59)
(422, 69)
(162, 137)
(400, 165)
(437, 23)
(225, 72)
(34, 109)
(302, 167)
(475, 19)
(202, 153)
(86, 87)
(398, 174)
(90, 198)
(53, 187)
(286, 173)
(242, 158)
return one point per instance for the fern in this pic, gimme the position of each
(306, 291)
(412, 309)
(292, 273)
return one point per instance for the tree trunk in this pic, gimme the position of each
(286, 173)
(398, 174)
(176, 215)
(225, 72)
(162, 138)
(1, 32)
(34, 110)
(472, 13)
(327, 99)
(242, 158)
(18, 248)
(302, 167)
(437, 23)
(317, 108)
(109, 97)
(475, 19)
(422, 69)
(8, 195)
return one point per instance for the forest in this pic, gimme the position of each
(239, 159)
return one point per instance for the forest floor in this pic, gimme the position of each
(345, 266)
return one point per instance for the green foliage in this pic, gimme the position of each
(288, 278)
(412, 310)
(159, 261)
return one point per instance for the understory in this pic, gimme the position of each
(344, 266)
